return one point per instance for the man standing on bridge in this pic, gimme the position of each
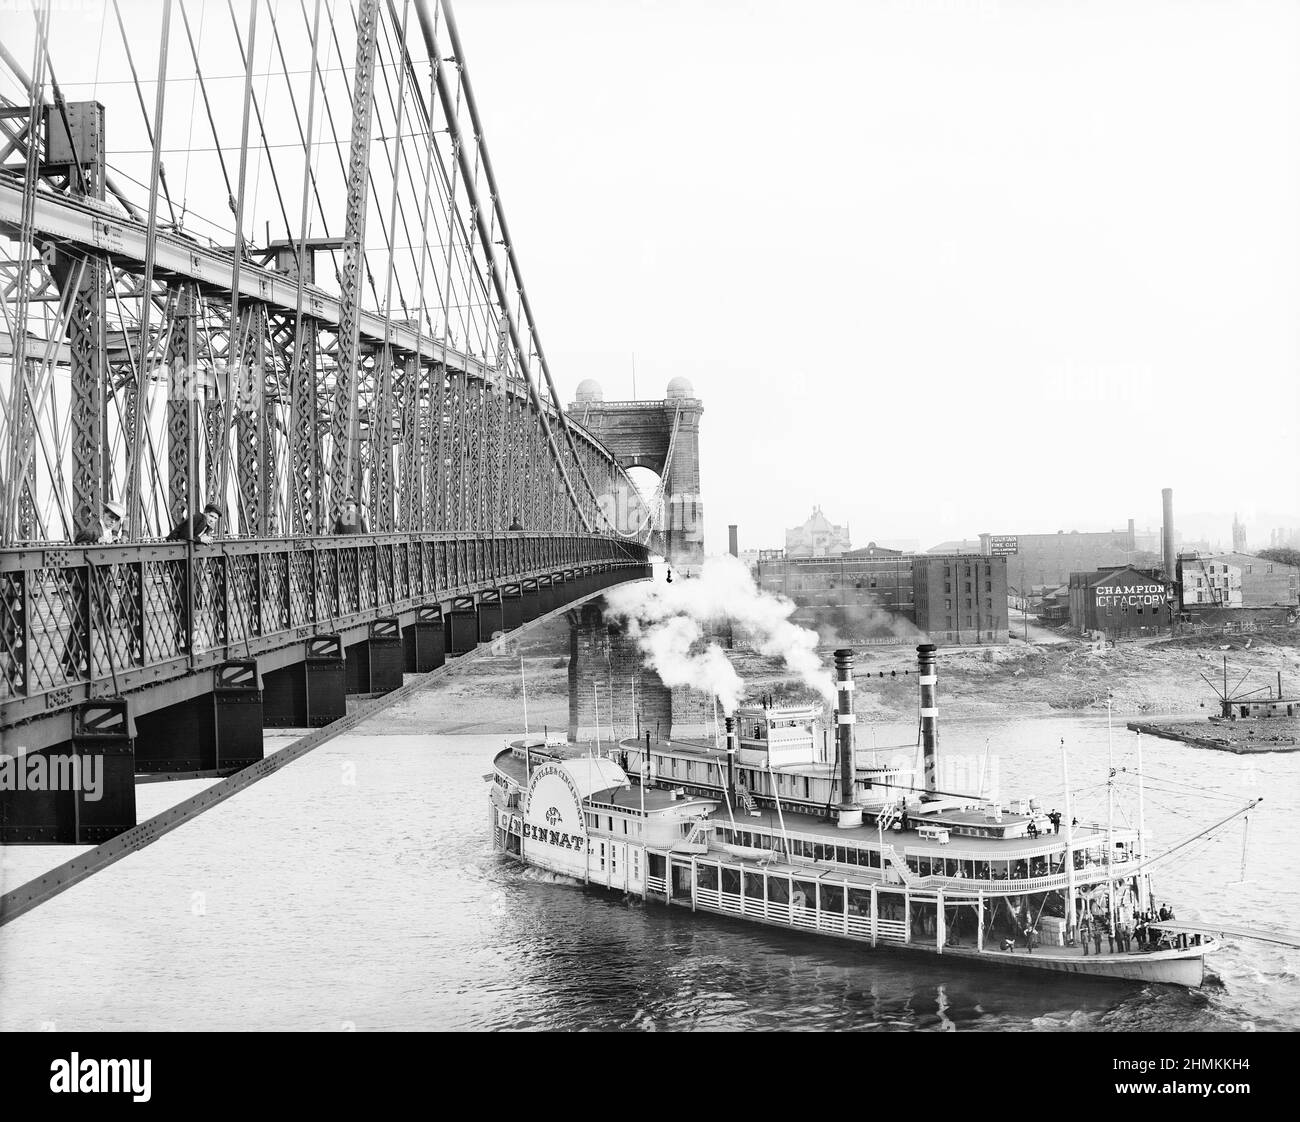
(108, 529)
(199, 529)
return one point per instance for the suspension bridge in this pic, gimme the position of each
(276, 423)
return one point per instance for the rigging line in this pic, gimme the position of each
(1182, 789)
(207, 108)
(148, 128)
(1172, 782)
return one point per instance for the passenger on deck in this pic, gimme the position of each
(1033, 829)
(1055, 819)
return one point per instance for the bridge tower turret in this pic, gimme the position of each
(664, 436)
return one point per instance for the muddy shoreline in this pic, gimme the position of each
(483, 692)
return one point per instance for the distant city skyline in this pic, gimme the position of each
(1209, 526)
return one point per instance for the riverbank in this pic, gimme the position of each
(485, 692)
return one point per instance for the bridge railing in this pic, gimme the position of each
(127, 615)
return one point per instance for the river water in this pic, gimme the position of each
(356, 889)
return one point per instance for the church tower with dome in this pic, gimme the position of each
(664, 436)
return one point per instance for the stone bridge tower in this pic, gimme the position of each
(639, 434)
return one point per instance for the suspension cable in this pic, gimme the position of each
(148, 128)
(207, 108)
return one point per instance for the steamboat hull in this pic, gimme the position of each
(1168, 967)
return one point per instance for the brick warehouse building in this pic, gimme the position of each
(961, 598)
(882, 580)
(1051, 558)
(1121, 602)
(877, 594)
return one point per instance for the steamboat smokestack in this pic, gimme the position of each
(927, 667)
(733, 543)
(850, 814)
(1167, 531)
(731, 755)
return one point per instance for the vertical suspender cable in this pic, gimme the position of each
(235, 346)
(159, 178)
(381, 428)
(296, 372)
(418, 520)
(13, 482)
(133, 457)
(207, 108)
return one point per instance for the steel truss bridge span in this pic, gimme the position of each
(153, 623)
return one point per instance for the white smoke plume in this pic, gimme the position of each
(667, 621)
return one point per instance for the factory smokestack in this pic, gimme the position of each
(1167, 531)
(929, 674)
(850, 814)
(733, 546)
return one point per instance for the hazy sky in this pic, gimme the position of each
(939, 266)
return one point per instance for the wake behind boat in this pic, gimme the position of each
(768, 828)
